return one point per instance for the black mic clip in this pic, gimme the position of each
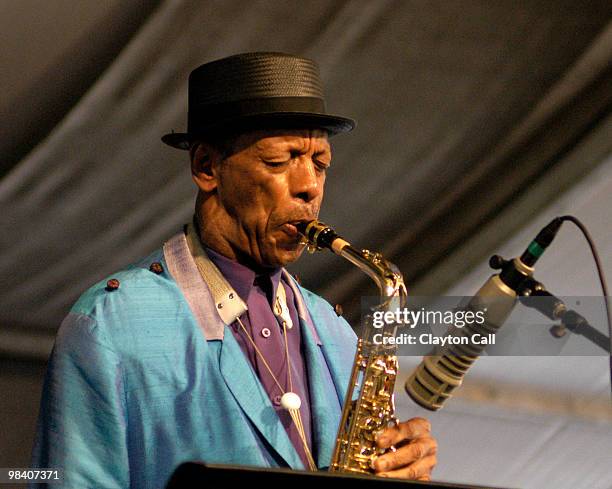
(513, 273)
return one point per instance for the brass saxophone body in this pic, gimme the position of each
(368, 404)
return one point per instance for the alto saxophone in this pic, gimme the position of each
(368, 404)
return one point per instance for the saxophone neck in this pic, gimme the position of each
(318, 236)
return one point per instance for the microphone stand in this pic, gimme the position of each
(534, 295)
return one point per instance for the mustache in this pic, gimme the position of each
(304, 215)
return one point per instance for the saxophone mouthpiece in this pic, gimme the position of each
(302, 226)
(308, 238)
(318, 235)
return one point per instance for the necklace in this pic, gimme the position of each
(289, 400)
(230, 307)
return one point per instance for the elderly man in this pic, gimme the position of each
(201, 350)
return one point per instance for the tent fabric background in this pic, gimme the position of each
(472, 117)
(434, 86)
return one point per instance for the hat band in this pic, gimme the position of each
(206, 115)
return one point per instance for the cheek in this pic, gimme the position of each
(246, 198)
(322, 187)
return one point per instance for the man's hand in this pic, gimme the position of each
(415, 456)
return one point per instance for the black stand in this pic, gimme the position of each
(533, 294)
(197, 475)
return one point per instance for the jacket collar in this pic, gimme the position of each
(200, 296)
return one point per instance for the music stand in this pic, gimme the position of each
(192, 475)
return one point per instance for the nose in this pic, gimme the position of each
(305, 182)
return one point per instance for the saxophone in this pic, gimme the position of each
(368, 405)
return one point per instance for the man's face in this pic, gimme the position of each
(272, 180)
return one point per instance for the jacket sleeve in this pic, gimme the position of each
(82, 421)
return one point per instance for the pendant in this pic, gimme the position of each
(291, 401)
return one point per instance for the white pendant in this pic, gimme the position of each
(291, 401)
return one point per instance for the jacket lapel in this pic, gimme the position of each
(253, 400)
(325, 407)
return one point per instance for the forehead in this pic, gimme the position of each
(292, 139)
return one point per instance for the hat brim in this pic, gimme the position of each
(279, 120)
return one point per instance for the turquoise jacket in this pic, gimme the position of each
(147, 376)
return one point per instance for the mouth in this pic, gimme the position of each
(292, 228)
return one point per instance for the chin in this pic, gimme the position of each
(284, 257)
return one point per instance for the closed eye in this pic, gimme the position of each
(322, 160)
(275, 164)
(321, 166)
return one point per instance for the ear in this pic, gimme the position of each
(204, 161)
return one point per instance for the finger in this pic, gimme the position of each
(415, 450)
(414, 471)
(406, 430)
(424, 478)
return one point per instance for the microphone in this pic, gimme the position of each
(441, 372)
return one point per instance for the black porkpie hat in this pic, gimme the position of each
(255, 90)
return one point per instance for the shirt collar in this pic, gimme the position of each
(241, 277)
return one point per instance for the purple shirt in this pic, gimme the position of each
(258, 291)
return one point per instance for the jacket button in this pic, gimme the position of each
(338, 309)
(266, 333)
(277, 400)
(112, 284)
(157, 268)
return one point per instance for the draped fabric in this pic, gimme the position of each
(473, 117)
(434, 87)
